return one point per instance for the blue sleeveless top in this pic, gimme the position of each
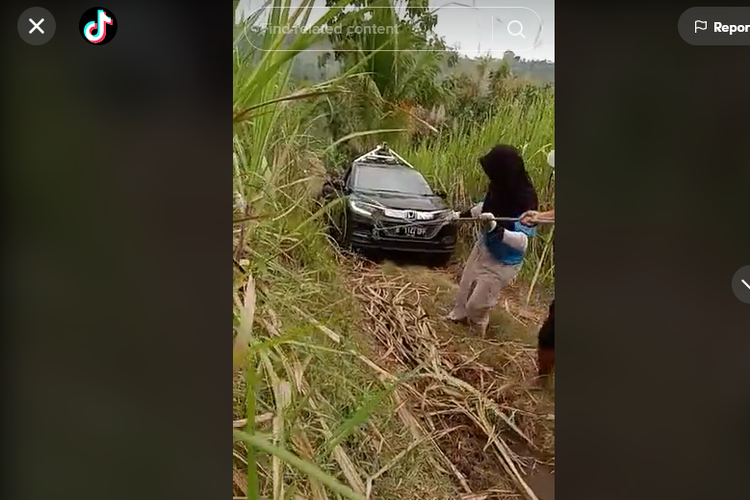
(502, 252)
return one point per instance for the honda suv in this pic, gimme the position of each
(388, 205)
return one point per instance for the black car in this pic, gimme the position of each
(388, 205)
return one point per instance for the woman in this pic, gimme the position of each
(498, 253)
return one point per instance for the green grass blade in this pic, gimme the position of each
(253, 485)
(358, 418)
(293, 460)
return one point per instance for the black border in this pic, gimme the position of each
(116, 188)
(652, 389)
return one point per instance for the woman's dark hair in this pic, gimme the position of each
(511, 192)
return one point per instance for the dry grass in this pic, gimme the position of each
(328, 383)
(474, 393)
(450, 416)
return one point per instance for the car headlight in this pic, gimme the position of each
(361, 208)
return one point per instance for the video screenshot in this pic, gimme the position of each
(396, 262)
(395, 201)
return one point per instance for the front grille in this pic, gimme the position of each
(410, 214)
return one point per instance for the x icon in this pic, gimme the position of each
(36, 26)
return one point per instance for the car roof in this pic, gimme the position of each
(386, 167)
(383, 165)
(383, 155)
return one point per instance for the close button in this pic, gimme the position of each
(741, 284)
(36, 26)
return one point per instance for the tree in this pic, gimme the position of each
(393, 44)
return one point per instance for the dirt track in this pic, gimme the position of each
(493, 431)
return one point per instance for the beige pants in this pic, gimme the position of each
(481, 283)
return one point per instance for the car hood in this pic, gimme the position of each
(401, 201)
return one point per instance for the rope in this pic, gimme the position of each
(380, 227)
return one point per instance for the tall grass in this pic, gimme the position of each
(302, 393)
(304, 399)
(450, 161)
(272, 245)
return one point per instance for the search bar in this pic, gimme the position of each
(715, 26)
(484, 29)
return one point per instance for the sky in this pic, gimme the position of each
(480, 27)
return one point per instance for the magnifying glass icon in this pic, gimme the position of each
(518, 32)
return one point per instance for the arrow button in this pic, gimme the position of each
(741, 284)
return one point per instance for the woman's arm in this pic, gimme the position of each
(533, 217)
(517, 240)
(549, 215)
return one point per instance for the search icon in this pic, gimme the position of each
(519, 32)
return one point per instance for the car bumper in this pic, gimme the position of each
(438, 245)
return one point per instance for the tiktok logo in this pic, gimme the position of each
(98, 25)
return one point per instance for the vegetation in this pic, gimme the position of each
(321, 409)
(314, 66)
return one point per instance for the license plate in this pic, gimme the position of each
(409, 231)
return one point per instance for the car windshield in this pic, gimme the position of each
(391, 179)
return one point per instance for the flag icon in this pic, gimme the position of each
(700, 25)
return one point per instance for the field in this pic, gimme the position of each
(347, 381)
